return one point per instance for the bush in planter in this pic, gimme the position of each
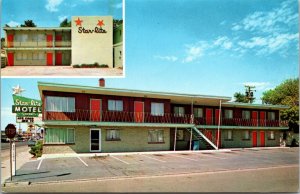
(103, 65)
(76, 66)
(96, 64)
(37, 149)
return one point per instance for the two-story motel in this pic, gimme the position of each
(91, 39)
(99, 119)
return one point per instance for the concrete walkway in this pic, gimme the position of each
(60, 71)
(66, 155)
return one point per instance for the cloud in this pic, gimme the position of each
(223, 42)
(223, 22)
(88, 1)
(52, 5)
(194, 52)
(166, 58)
(118, 6)
(62, 18)
(13, 24)
(258, 85)
(277, 20)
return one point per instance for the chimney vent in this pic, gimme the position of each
(102, 82)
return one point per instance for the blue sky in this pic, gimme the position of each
(210, 47)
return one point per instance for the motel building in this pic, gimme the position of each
(85, 119)
(91, 39)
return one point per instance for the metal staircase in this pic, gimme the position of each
(200, 135)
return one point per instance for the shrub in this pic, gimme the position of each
(76, 66)
(37, 149)
(103, 65)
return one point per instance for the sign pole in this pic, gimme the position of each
(10, 156)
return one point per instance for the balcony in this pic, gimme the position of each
(146, 117)
(35, 44)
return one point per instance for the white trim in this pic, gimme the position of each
(142, 112)
(99, 130)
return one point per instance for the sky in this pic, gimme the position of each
(209, 47)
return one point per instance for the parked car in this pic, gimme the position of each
(31, 142)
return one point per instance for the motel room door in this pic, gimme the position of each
(95, 109)
(95, 140)
(49, 59)
(138, 111)
(254, 139)
(262, 138)
(58, 58)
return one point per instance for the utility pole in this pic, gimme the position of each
(249, 93)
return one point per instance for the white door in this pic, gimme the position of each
(95, 140)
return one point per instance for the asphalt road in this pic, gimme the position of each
(126, 169)
(276, 179)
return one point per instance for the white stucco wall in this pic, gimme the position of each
(92, 47)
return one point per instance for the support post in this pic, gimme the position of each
(175, 138)
(219, 122)
(191, 139)
(10, 157)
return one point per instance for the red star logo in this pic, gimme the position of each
(78, 22)
(100, 23)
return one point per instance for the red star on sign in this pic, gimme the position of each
(100, 23)
(78, 22)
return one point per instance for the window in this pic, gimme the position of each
(24, 56)
(229, 135)
(246, 135)
(179, 134)
(271, 135)
(179, 111)
(271, 116)
(19, 56)
(41, 56)
(112, 134)
(115, 105)
(35, 56)
(228, 114)
(198, 112)
(156, 136)
(246, 114)
(157, 109)
(60, 104)
(59, 136)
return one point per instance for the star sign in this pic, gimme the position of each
(100, 23)
(18, 90)
(78, 22)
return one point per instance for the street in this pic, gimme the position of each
(257, 170)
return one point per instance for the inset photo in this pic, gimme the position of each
(62, 38)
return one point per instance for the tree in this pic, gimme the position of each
(239, 97)
(287, 93)
(28, 23)
(65, 23)
(117, 23)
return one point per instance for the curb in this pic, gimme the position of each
(15, 184)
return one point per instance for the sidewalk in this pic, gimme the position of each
(66, 155)
(60, 71)
(22, 157)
